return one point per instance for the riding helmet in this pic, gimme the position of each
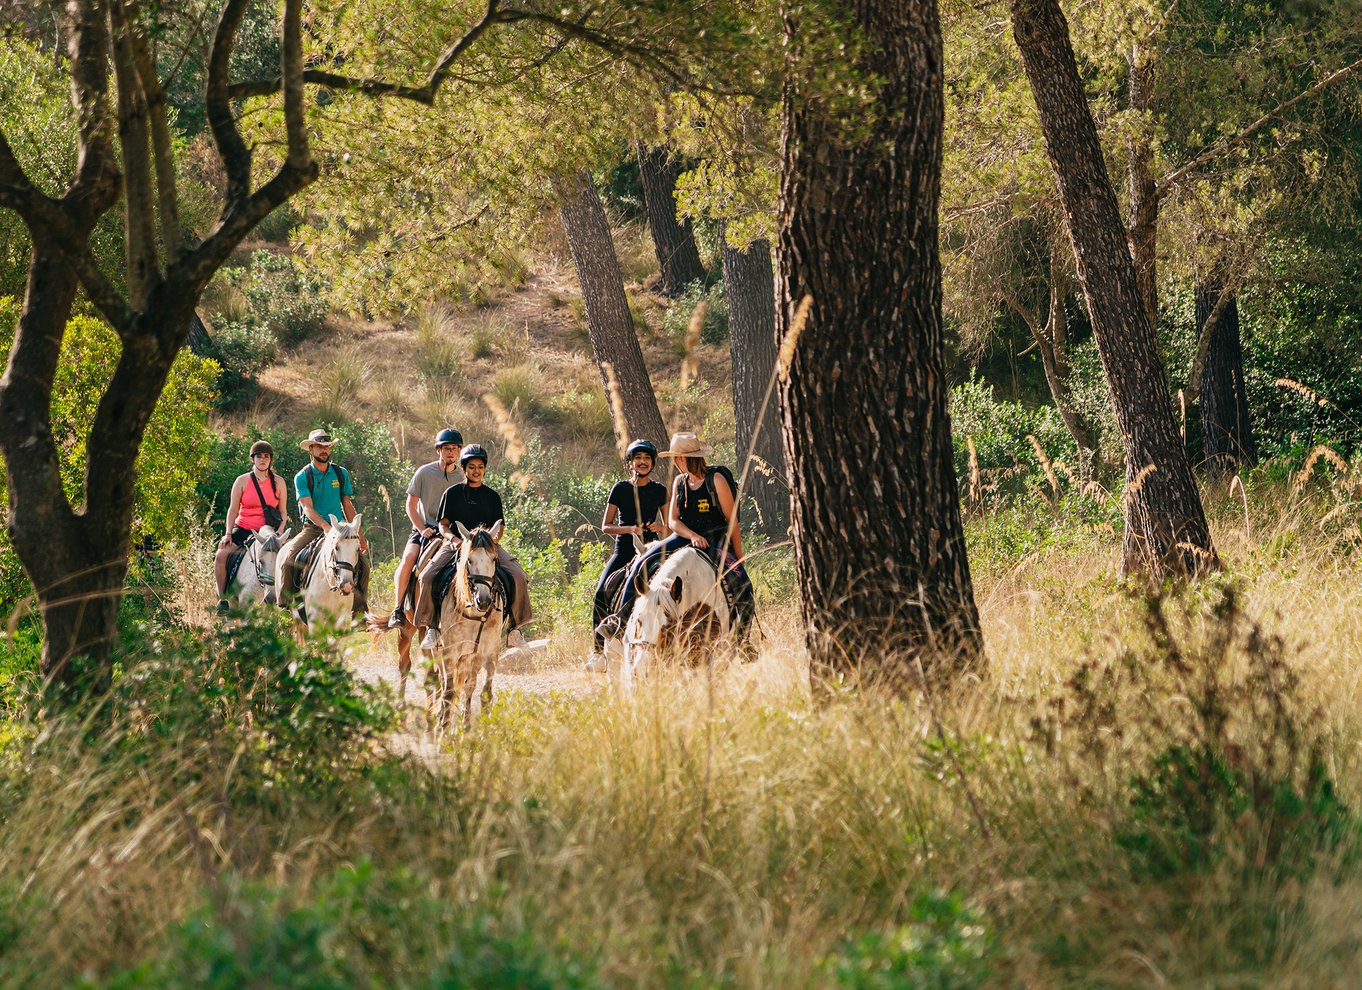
(262, 447)
(641, 447)
(448, 435)
(474, 451)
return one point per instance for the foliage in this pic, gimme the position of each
(1016, 449)
(714, 327)
(944, 947)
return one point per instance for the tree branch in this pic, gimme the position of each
(95, 186)
(424, 93)
(291, 48)
(1171, 180)
(168, 206)
(236, 157)
(139, 211)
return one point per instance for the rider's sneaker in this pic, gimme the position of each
(398, 619)
(609, 627)
(224, 606)
(431, 640)
(597, 663)
(516, 639)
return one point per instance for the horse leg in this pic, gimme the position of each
(403, 660)
(490, 665)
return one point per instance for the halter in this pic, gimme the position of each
(267, 580)
(336, 567)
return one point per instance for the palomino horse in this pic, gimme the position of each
(255, 574)
(470, 627)
(329, 582)
(683, 611)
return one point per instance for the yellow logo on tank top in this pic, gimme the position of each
(703, 505)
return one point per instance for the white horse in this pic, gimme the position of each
(470, 627)
(683, 611)
(329, 582)
(255, 575)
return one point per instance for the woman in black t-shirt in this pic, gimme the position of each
(631, 510)
(702, 513)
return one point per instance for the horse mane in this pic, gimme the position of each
(478, 539)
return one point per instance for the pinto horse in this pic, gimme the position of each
(470, 627)
(683, 612)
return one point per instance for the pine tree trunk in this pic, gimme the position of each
(1166, 529)
(608, 320)
(1144, 201)
(1226, 424)
(678, 259)
(749, 288)
(879, 544)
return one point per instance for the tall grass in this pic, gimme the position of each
(718, 829)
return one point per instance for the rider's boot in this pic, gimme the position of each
(399, 617)
(515, 639)
(597, 663)
(432, 638)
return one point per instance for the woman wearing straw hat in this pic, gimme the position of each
(702, 513)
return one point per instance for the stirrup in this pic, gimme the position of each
(610, 627)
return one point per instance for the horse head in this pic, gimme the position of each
(265, 552)
(683, 587)
(340, 554)
(477, 573)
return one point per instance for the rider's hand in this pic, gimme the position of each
(699, 543)
(656, 527)
(636, 530)
(429, 531)
(363, 544)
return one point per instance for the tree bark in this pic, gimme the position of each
(879, 543)
(1226, 424)
(1165, 529)
(1143, 229)
(749, 288)
(678, 259)
(608, 320)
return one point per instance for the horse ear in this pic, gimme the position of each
(676, 590)
(497, 529)
(284, 536)
(333, 519)
(355, 521)
(463, 530)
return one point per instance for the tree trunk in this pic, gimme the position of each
(678, 259)
(879, 544)
(1052, 340)
(1165, 525)
(608, 320)
(749, 287)
(1144, 201)
(1226, 425)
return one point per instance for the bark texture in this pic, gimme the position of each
(879, 545)
(1165, 531)
(1226, 424)
(750, 290)
(1144, 199)
(678, 259)
(608, 320)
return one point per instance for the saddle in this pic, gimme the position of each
(444, 578)
(305, 563)
(237, 556)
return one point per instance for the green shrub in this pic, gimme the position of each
(282, 297)
(945, 946)
(1005, 461)
(714, 328)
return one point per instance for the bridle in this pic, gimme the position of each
(495, 603)
(266, 580)
(336, 568)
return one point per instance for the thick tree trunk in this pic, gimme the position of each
(749, 287)
(879, 544)
(608, 320)
(1144, 201)
(678, 258)
(1226, 424)
(1165, 525)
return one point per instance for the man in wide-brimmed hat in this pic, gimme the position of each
(324, 491)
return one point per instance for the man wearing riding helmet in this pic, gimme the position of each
(473, 504)
(428, 486)
(632, 510)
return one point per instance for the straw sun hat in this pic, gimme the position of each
(317, 437)
(687, 445)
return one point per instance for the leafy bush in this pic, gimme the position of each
(282, 296)
(359, 928)
(944, 947)
(1006, 461)
(714, 328)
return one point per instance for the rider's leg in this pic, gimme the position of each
(285, 566)
(642, 569)
(402, 578)
(224, 552)
(600, 604)
(520, 607)
(739, 588)
(425, 587)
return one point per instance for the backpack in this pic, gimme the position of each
(340, 473)
(713, 492)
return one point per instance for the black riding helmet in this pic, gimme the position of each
(448, 435)
(641, 447)
(473, 452)
(262, 447)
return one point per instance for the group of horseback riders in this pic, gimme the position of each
(700, 512)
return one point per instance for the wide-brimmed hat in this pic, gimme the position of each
(687, 445)
(317, 437)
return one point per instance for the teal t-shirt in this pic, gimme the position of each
(327, 489)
